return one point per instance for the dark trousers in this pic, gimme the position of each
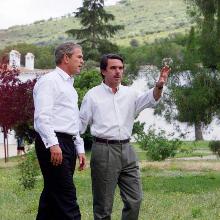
(58, 199)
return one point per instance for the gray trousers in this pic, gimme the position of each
(112, 165)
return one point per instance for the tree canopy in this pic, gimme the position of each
(96, 30)
(16, 103)
(207, 15)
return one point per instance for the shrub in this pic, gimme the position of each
(134, 43)
(29, 169)
(186, 149)
(214, 146)
(157, 146)
(138, 129)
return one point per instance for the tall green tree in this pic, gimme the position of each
(96, 30)
(188, 98)
(192, 95)
(193, 89)
(207, 15)
(195, 101)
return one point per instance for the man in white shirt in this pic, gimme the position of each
(110, 110)
(56, 120)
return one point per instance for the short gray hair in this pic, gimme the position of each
(65, 48)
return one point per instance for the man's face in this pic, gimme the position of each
(113, 73)
(75, 62)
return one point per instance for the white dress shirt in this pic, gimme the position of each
(111, 115)
(56, 108)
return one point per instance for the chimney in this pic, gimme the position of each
(29, 61)
(14, 59)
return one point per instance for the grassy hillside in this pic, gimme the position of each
(144, 20)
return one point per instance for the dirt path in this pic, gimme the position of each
(189, 165)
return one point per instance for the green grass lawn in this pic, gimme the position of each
(168, 193)
(171, 193)
(196, 144)
(180, 195)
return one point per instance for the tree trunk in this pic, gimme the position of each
(7, 146)
(198, 132)
(5, 134)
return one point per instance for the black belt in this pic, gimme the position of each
(65, 136)
(106, 141)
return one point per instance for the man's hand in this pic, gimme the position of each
(164, 73)
(82, 161)
(56, 156)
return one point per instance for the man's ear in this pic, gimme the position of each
(103, 72)
(66, 59)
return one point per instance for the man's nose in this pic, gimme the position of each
(118, 70)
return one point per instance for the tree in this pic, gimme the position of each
(16, 103)
(195, 101)
(134, 42)
(207, 15)
(96, 30)
(195, 98)
(192, 94)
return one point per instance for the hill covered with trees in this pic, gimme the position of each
(144, 21)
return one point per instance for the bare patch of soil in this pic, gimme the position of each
(183, 165)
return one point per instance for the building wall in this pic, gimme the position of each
(11, 138)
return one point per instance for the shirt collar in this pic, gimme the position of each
(109, 88)
(63, 74)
